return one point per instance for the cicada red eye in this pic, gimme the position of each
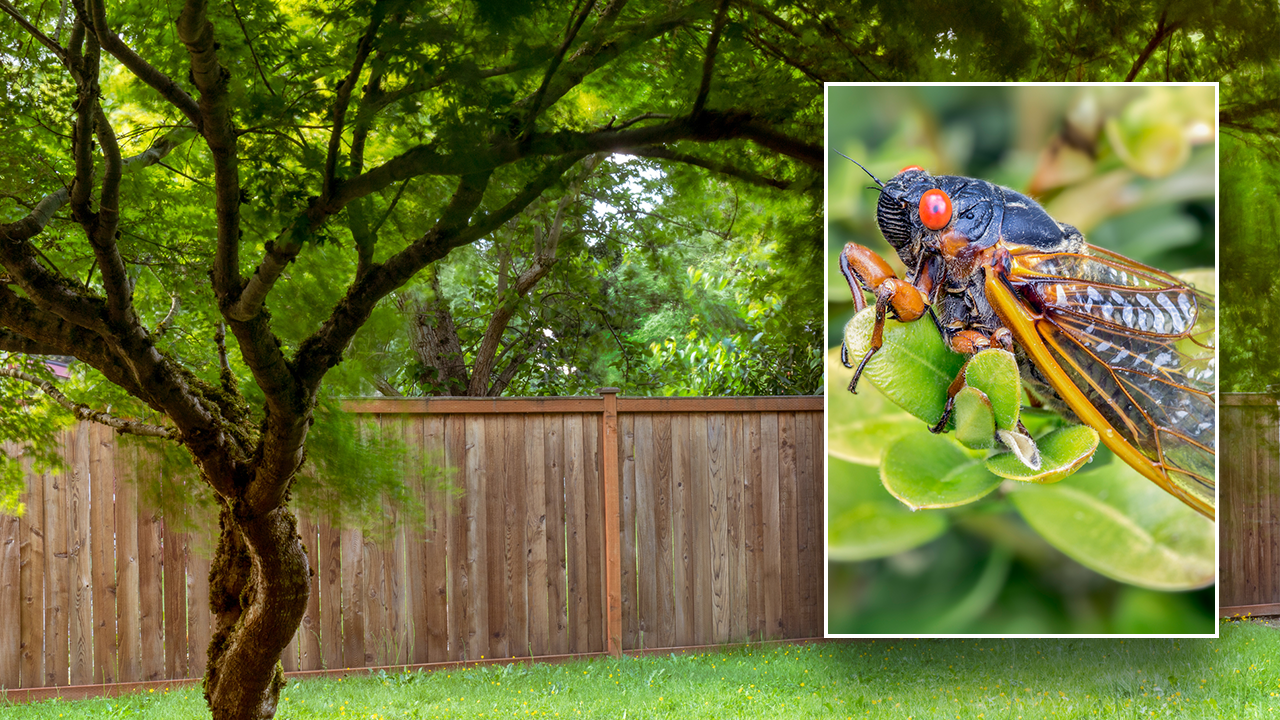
(935, 209)
(910, 167)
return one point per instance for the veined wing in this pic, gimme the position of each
(1138, 344)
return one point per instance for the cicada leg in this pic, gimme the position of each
(864, 269)
(969, 342)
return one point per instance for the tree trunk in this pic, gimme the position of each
(258, 587)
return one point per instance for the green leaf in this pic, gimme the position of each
(913, 367)
(925, 470)
(975, 419)
(865, 522)
(1118, 523)
(1062, 452)
(995, 373)
(860, 426)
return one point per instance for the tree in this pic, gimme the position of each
(273, 147)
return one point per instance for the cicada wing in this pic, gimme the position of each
(1138, 343)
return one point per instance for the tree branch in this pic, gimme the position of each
(212, 79)
(363, 48)
(115, 278)
(535, 105)
(16, 343)
(84, 412)
(163, 326)
(20, 257)
(254, 53)
(55, 336)
(662, 153)
(709, 126)
(1162, 31)
(33, 31)
(141, 69)
(709, 60)
(385, 387)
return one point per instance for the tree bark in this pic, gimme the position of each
(258, 588)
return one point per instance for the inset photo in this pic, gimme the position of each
(1021, 360)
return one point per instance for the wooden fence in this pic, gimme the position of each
(574, 525)
(1249, 500)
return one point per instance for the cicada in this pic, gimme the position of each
(1124, 348)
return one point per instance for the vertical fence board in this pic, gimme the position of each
(175, 604)
(353, 598)
(1267, 487)
(81, 610)
(772, 535)
(398, 619)
(31, 616)
(102, 546)
(150, 572)
(498, 554)
(516, 559)
(701, 517)
(682, 547)
(535, 463)
(575, 533)
(815, 542)
(419, 574)
(665, 530)
(647, 559)
(459, 590)
(804, 523)
(787, 517)
(477, 537)
(433, 552)
(736, 455)
(309, 655)
(10, 602)
(128, 603)
(398, 583)
(373, 555)
(593, 506)
(627, 493)
(57, 577)
(331, 598)
(1232, 565)
(373, 597)
(754, 532)
(1248, 512)
(199, 616)
(718, 555)
(557, 540)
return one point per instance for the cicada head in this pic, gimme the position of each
(915, 206)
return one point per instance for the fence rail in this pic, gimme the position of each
(575, 525)
(1249, 493)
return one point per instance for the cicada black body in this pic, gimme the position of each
(1123, 347)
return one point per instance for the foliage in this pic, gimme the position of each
(26, 416)
(1250, 329)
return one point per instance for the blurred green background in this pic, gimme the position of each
(1134, 169)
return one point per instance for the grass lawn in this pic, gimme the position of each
(1236, 676)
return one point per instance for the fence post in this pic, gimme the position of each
(612, 523)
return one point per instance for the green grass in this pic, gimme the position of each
(1236, 676)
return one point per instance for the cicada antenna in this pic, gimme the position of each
(868, 172)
